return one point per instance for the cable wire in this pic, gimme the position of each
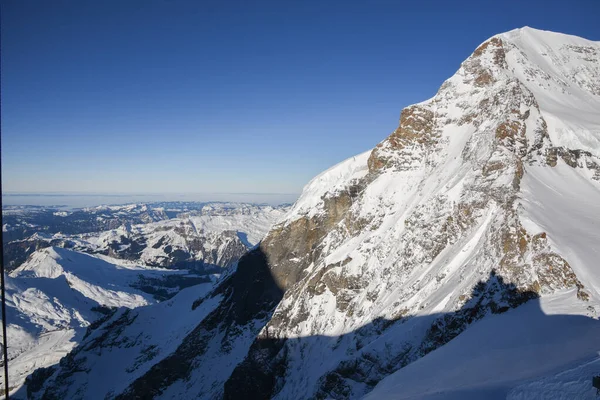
(2, 286)
(3, 290)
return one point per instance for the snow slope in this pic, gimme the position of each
(52, 295)
(563, 74)
(497, 172)
(133, 340)
(505, 354)
(95, 278)
(55, 295)
(565, 203)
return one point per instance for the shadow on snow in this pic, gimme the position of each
(250, 295)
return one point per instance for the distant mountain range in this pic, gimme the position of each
(199, 236)
(63, 285)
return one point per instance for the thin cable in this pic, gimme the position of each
(3, 289)
(2, 286)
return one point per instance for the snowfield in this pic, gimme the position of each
(521, 354)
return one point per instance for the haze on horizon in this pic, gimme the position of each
(79, 200)
(226, 97)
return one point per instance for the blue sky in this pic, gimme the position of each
(227, 96)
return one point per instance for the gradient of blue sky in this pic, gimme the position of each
(227, 96)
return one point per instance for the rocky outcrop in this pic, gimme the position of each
(290, 248)
(405, 147)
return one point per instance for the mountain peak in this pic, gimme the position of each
(540, 34)
(485, 197)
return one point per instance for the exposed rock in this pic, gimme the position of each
(415, 135)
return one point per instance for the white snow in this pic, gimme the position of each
(558, 70)
(107, 283)
(563, 202)
(160, 327)
(50, 300)
(329, 181)
(505, 352)
(403, 206)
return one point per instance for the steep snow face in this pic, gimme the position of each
(435, 207)
(563, 73)
(129, 343)
(334, 179)
(391, 257)
(146, 352)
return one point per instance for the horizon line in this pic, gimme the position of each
(117, 194)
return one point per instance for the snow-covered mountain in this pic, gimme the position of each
(205, 239)
(457, 259)
(20, 222)
(59, 291)
(57, 294)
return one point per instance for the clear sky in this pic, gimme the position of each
(227, 96)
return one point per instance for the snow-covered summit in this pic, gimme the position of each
(563, 73)
(457, 192)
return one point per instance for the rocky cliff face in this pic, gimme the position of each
(449, 176)
(393, 253)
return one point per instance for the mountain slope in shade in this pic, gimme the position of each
(485, 199)
(501, 355)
